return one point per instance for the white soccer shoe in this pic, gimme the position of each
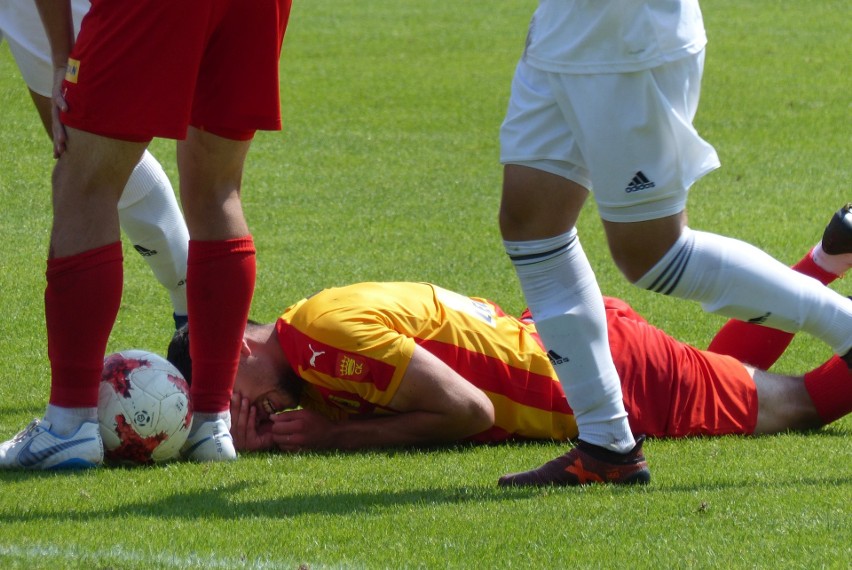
(211, 441)
(37, 447)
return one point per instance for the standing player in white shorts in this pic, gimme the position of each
(602, 101)
(148, 210)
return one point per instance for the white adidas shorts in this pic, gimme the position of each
(21, 27)
(628, 137)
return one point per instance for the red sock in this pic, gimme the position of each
(830, 389)
(807, 266)
(758, 345)
(219, 286)
(81, 301)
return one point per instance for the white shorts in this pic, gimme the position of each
(21, 27)
(628, 137)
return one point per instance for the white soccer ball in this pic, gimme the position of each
(143, 408)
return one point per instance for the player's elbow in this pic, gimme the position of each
(480, 414)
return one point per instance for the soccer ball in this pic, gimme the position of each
(143, 408)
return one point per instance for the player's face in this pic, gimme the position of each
(272, 402)
(258, 382)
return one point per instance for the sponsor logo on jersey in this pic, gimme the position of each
(472, 307)
(314, 355)
(72, 70)
(351, 367)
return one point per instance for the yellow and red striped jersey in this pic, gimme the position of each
(353, 344)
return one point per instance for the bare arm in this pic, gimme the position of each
(58, 23)
(435, 405)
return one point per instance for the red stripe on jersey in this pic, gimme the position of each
(493, 375)
(305, 352)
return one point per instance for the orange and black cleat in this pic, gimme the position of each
(586, 464)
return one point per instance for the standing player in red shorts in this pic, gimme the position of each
(148, 210)
(205, 73)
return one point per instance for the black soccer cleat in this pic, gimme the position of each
(584, 465)
(837, 237)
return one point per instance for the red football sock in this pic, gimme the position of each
(219, 286)
(758, 345)
(807, 266)
(830, 389)
(81, 301)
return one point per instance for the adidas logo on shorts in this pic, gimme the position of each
(639, 182)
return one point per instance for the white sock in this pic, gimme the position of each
(199, 418)
(735, 279)
(837, 264)
(563, 295)
(66, 421)
(150, 216)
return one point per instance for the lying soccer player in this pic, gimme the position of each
(420, 365)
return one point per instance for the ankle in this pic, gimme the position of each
(837, 264)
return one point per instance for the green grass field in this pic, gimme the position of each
(387, 170)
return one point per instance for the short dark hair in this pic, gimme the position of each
(178, 352)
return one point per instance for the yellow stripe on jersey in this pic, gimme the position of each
(354, 344)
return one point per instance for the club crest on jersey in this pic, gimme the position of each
(351, 367)
(72, 70)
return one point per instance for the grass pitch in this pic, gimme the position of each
(387, 169)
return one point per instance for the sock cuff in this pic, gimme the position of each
(666, 274)
(533, 251)
(200, 251)
(88, 259)
(831, 265)
(808, 266)
(830, 389)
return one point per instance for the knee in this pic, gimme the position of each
(637, 247)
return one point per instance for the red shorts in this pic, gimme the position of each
(672, 389)
(151, 68)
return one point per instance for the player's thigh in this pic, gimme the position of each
(94, 165)
(538, 204)
(545, 180)
(637, 138)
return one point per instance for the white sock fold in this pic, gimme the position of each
(150, 216)
(66, 421)
(735, 279)
(563, 296)
(837, 264)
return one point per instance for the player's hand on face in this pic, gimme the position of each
(301, 429)
(60, 137)
(244, 429)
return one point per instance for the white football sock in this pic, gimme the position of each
(150, 216)
(66, 421)
(837, 264)
(199, 418)
(735, 279)
(563, 295)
